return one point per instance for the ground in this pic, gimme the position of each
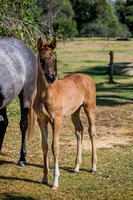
(114, 134)
(114, 126)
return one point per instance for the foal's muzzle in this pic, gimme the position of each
(50, 77)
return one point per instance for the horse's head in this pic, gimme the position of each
(47, 59)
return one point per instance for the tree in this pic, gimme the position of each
(129, 15)
(53, 9)
(92, 15)
(18, 20)
(124, 11)
(66, 27)
(85, 12)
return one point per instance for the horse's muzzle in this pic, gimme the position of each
(50, 77)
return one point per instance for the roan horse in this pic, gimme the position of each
(56, 98)
(18, 76)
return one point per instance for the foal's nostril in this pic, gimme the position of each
(51, 76)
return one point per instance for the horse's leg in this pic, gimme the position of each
(3, 125)
(79, 134)
(55, 149)
(44, 130)
(23, 128)
(90, 112)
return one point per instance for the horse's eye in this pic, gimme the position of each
(42, 62)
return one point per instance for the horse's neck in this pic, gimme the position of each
(42, 84)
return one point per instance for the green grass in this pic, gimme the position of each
(113, 180)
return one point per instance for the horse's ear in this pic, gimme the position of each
(39, 43)
(53, 44)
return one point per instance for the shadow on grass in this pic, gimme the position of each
(115, 91)
(97, 70)
(7, 196)
(112, 100)
(19, 179)
(3, 162)
(71, 170)
(34, 165)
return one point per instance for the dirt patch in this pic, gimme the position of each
(114, 126)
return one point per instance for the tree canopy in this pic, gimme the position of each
(30, 19)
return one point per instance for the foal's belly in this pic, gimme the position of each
(70, 107)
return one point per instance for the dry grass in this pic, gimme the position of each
(114, 125)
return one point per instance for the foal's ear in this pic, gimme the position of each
(39, 43)
(53, 44)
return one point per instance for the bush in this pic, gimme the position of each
(95, 30)
(66, 27)
(124, 31)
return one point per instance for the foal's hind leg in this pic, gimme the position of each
(79, 134)
(90, 112)
(3, 125)
(23, 127)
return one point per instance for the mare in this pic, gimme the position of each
(18, 77)
(56, 98)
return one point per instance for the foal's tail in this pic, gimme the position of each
(31, 117)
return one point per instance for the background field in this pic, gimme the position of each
(114, 125)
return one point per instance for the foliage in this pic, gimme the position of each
(52, 10)
(30, 19)
(66, 27)
(124, 11)
(85, 12)
(106, 17)
(95, 30)
(93, 15)
(123, 31)
(17, 19)
(114, 116)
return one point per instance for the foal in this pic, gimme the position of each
(56, 98)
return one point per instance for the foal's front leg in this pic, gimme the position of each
(44, 131)
(55, 149)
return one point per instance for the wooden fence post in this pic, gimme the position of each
(111, 67)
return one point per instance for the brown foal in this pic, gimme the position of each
(56, 98)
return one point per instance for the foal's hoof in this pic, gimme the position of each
(75, 172)
(54, 187)
(22, 163)
(92, 171)
(44, 182)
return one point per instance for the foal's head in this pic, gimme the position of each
(47, 59)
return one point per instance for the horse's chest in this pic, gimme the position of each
(45, 108)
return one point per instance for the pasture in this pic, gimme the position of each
(114, 128)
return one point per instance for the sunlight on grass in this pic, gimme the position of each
(113, 179)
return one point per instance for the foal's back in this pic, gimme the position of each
(72, 91)
(79, 90)
(18, 69)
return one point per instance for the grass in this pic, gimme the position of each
(113, 180)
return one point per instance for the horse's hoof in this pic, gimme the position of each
(92, 171)
(75, 172)
(22, 163)
(54, 187)
(45, 182)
